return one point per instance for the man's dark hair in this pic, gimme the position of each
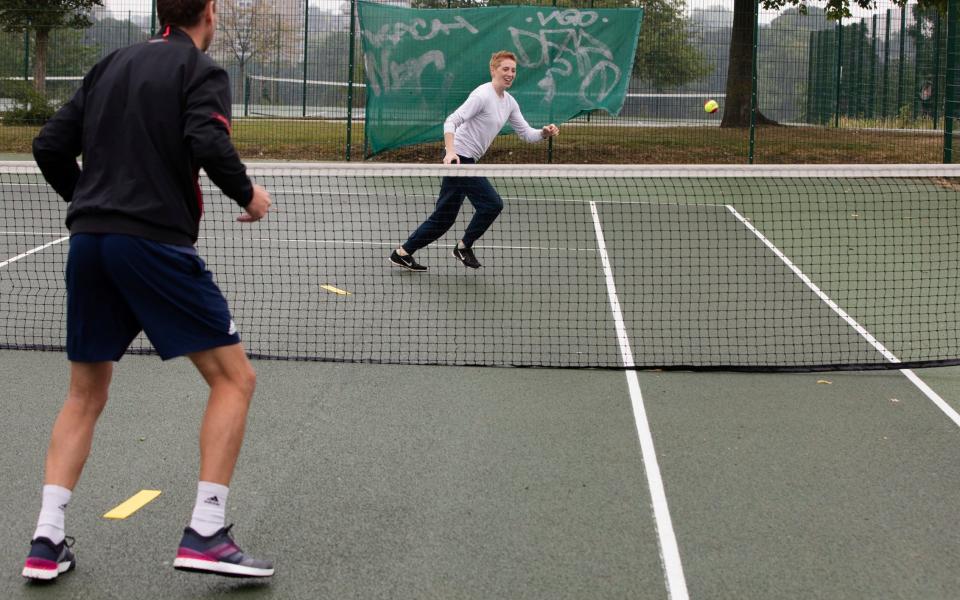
(180, 13)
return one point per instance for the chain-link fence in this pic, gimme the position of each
(878, 86)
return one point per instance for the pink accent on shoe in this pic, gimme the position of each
(41, 563)
(188, 553)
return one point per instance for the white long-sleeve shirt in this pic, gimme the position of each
(478, 121)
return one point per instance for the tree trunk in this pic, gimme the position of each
(40, 61)
(736, 106)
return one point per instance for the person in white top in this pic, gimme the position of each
(467, 133)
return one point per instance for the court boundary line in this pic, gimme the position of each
(33, 251)
(925, 389)
(669, 551)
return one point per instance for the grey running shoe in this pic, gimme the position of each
(219, 555)
(47, 560)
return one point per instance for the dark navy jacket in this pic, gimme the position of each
(146, 120)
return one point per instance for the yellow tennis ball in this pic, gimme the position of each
(711, 106)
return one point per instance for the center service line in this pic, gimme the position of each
(669, 552)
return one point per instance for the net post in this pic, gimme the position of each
(153, 18)
(753, 81)
(952, 87)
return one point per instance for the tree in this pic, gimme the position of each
(247, 29)
(736, 110)
(42, 17)
(109, 34)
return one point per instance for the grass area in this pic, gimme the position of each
(315, 140)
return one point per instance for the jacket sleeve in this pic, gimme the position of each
(58, 145)
(207, 133)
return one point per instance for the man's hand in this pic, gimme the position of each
(451, 158)
(550, 131)
(258, 207)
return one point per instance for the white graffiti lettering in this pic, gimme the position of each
(568, 52)
(386, 75)
(416, 29)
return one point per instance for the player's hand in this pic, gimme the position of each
(258, 207)
(550, 131)
(451, 158)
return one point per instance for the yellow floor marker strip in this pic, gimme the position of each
(338, 291)
(132, 504)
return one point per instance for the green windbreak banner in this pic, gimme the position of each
(421, 64)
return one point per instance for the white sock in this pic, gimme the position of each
(210, 510)
(51, 522)
(460, 245)
(401, 251)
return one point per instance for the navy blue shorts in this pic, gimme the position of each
(120, 285)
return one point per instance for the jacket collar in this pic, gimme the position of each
(172, 33)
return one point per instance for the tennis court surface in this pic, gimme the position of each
(424, 475)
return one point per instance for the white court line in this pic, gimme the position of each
(29, 252)
(890, 356)
(669, 552)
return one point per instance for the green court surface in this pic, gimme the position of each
(376, 481)
(419, 481)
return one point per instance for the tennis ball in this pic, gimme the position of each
(711, 106)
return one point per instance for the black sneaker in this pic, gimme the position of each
(406, 262)
(465, 255)
(48, 560)
(217, 554)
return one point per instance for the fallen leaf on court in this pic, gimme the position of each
(824, 381)
(894, 400)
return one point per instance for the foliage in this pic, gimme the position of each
(30, 107)
(44, 15)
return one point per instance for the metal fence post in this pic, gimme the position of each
(886, 68)
(350, 66)
(903, 58)
(936, 69)
(306, 42)
(753, 81)
(952, 87)
(26, 53)
(838, 71)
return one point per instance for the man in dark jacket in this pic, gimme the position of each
(146, 120)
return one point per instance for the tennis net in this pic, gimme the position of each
(736, 268)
